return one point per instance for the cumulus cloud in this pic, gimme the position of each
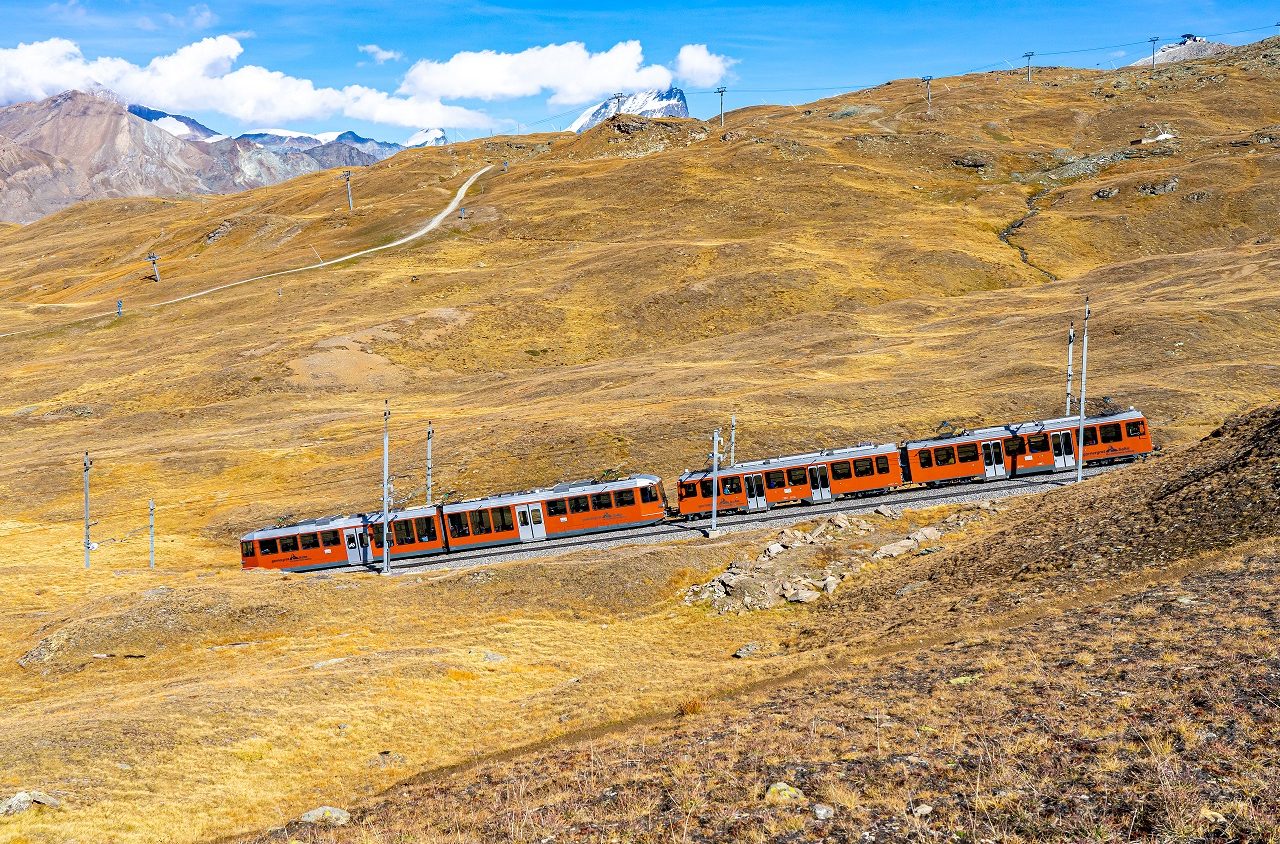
(200, 76)
(698, 65)
(380, 55)
(570, 72)
(197, 17)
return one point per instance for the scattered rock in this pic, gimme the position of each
(490, 656)
(327, 816)
(781, 792)
(1106, 193)
(328, 662)
(823, 812)
(971, 160)
(886, 511)
(387, 759)
(748, 650)
(802, 596)
(923, 810)
(964, 679)
(829, 583)
(774, 549)
(894, 549)
(1169, 185)
(24, 800)
(915, 586)
(925, 534)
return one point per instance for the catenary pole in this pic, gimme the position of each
(721, 91)
(1084, 374)
(928, 93)
(151, 528)
(1071, 354)
(346, 177)
(430, 436)
(715, 476)
(733, 439)
(1153, 53)
(155, 265)
(386, 486)
(1028, 56)
(87, 545)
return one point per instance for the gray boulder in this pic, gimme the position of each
(327, 816)
(24, 800)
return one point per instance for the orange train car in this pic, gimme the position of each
(810, 478)
(567, 509)
(1025, 448)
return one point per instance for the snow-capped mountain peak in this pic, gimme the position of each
(655, 103)
(427, 138)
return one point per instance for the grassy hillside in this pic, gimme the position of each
(859, 268)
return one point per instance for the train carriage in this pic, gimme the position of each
(314, 544)
(812, 477)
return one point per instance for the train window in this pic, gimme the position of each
(330, 538)
(1091, 435)
(882, 465)
(458, 525)
(557, 507)
(426, 529)
(648, 494)
(944, 456)
(502, 519)
(731, 486)
(863, 467)
(1014, 446)
(246, 549)
(689, 490)
(602, 501)
(404, 533)
(1068, 440)
(1133, 429)
(841, 471)
(775, 479)
(1037, 443)
(268, 546)
(797, 477)
(364, 540)
(288, 544)
(625, 498)
(705, 487)
(926, 459)
(967, 453)
(351, 540)
(377, 536)
(1111, 433)
(579, 504)
(309, 541)
(480, 522)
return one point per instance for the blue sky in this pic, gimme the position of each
(763, 52)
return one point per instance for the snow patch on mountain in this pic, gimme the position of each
(427, 138)
(178, 125)
(668, 103)
(1189, 47)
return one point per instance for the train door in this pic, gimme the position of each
(993, 460)
(357, 542)
(819, 483)
(529, 518)
(755, 493)
(1062, 451)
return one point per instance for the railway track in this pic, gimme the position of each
(670, 531)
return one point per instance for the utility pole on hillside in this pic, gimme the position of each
(1028, 56)
(1071, 355)
(715, 480)
(386, 486)
(346, 177)
(151, 528)
(155, 265)
(928, 93)
(733, 439)
(1084, 374)
(1153, 41)
(430, 436)
(721, 91)
(88, 546)
(617, 99)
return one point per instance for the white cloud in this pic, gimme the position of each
(571, 72)
(200, 77)
(380, 55)
(197, 18)
(698, 65)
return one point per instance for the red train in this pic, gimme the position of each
(585, 507)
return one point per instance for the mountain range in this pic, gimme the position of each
(92, 145)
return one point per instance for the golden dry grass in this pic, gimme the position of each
(607, 302)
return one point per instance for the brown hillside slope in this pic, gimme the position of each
(1130, 697)
(629, 288)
